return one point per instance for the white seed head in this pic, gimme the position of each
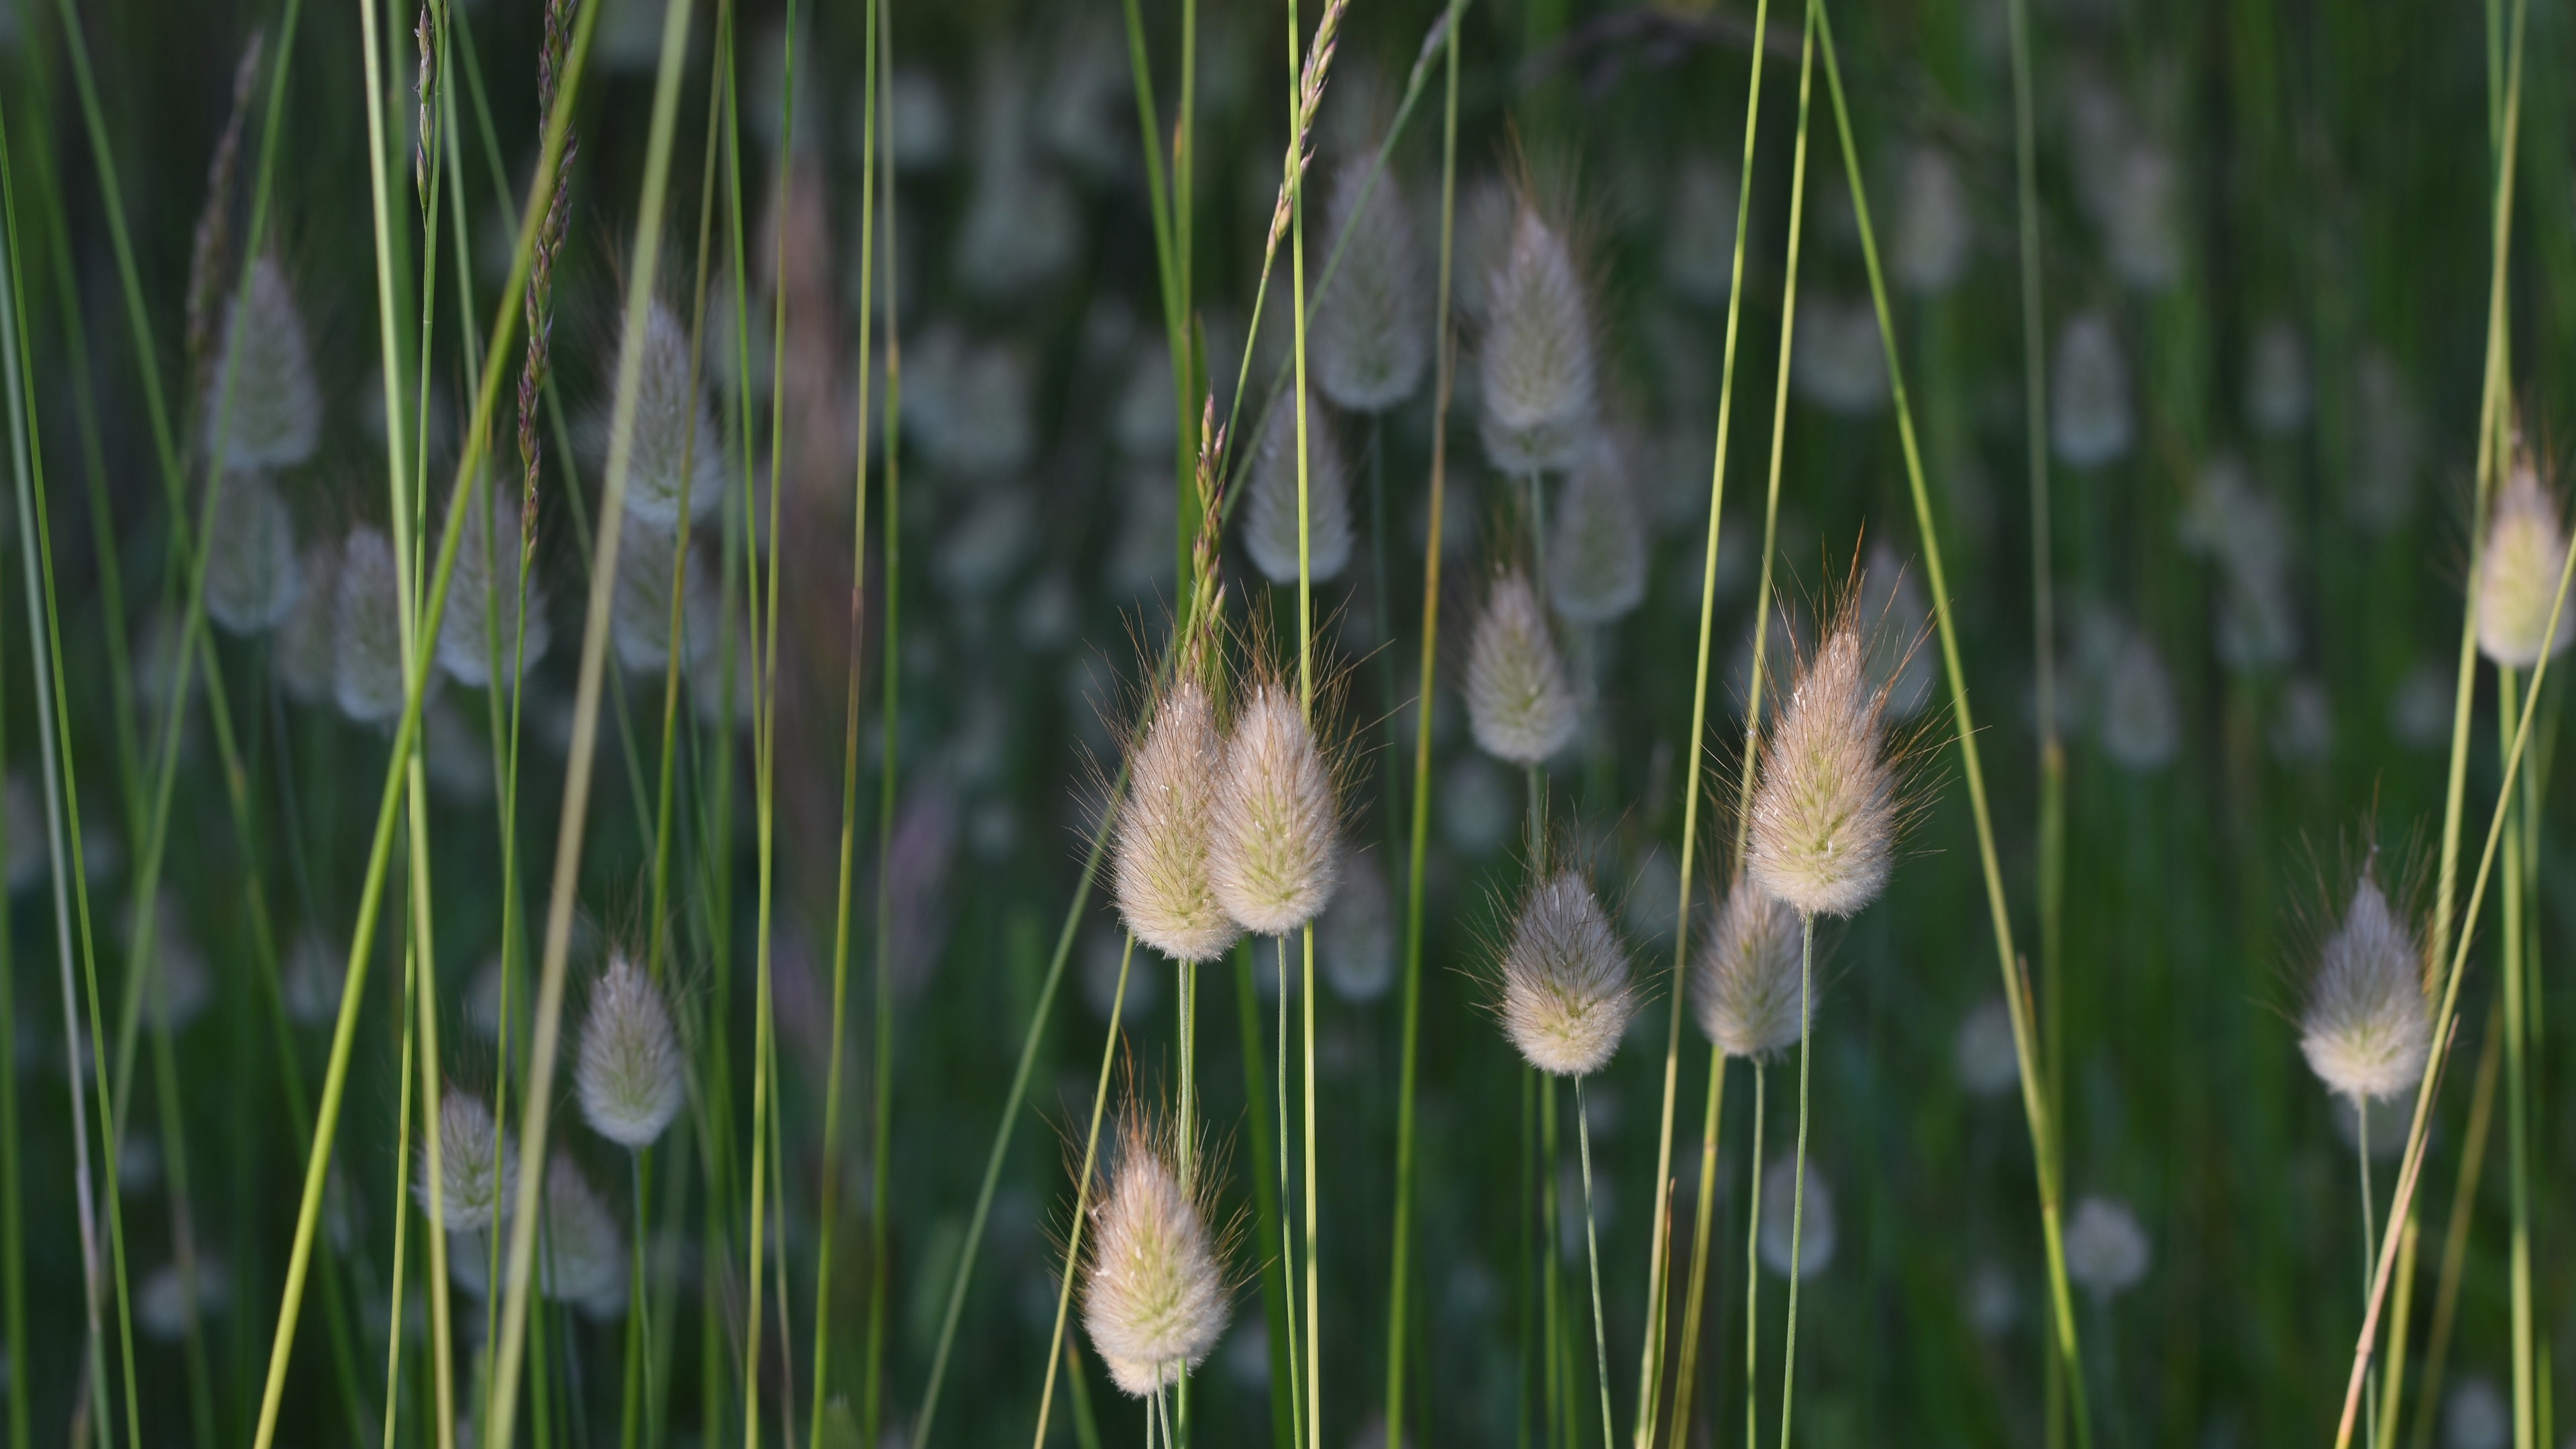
(308, 640)
(1519, 705)
(1566, 995)
(1153, 1291)
(275, 417)
(1837, 360)
(2140, 727)
(2476, 1415)
(628, 1072)
(2088, 415)
(1535, 364)
(2106, 1250)
(477, 1170)
(2277, 392)
(968, 404)
(315, 975)
(1161, 870)
(1372, 329)
(639, 608)
(483, 600)
(1746, 987)
(164, 1307)
(582, 1253)
(1898, 620)
(2232, 519)
(252, 580)
(2141, 210)
(1825, 807)
(1933, 231)
(1982, 1052)
(2388, 445)
(1596, 556)
(2368, 1029)
(1270, 513)
(1814, 1225)
(1355, 940)
(2517, 575)
(366, 654)
(1272, 853)
(1699, 229)
(678, 458)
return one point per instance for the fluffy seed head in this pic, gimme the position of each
(2106, 1250)
(2368, 1030)
(1272, 856)
(628, 1072)
(1933, 231)
(1270, 514)
(308, 640)
(1519, 705)
(1161, 868)
(1355, 940)
(1838, 360)
(1982, 1051)
(2141, 730)
(1898, 619)
(1566, 995)
(2277, 390)
(2517, 576)
(678, 460)
(1825, 807)
(477, 1170)
(1699, 229)
(639, 609)
(582, 1252)
(1372, 331)
(1153, 1291)
(366, 656)
(1814, 1219)
(251, 576)
(1746, 988)
(1596, 558)
(2089, 394)
(275, 405)
(485, 587)
(1535, 367)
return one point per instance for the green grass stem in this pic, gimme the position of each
(1057, 1347)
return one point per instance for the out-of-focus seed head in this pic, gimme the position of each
(1161, 869)
(483, 600)
(1699, 229)
(1566, 993)
(2368, 1029)
(275, 405)
(315, 975)
(1838, 360)
(639, 609)
(1270, 514)
(1746, 987)
(1982, 1051)
(1814, 1228)
(2388, 445)
(1535, 363)
(2106, 1250)
(1154, 1296)
(366, 658)
(678, 460)
(252, 580)
(629, 1070)
(1825, 808)
(308, 639)
(1273, 855)
(1596, 558)
(1933, 231)
(2141, 730)
(581, 1254)
(1372, 330)
(2088, 417)
(1519, 704)
(1355, 940)
(477, 1170)
(1898, 621)
(2277, 392)
(2517, 574)
(2142, 214)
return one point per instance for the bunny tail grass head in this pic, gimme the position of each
(583, 1259)
(628, 1072)
(1566, 994)
(2367, 1029)
(263, 407)
(1274, 853)
(1596, 556)
(678, 460)
(1520, 706)
(366, 658)
(2517, 575)
(1825, 809)
(1746, 989)
(1270, 515)
(1372, 330)
(252, 576)
(1535, 365)
(1154, 1295)
(1162, 872)
(483, 599)
(477, 1170)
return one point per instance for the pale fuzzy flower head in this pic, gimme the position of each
(1566, 994)
(1982, 1052)
(1273, 855)
(628, 1072)
(967, 404)
(2277, 394)
(1933, 228)
(1535, 364)
(1814, 1228)
(2089, 420)
(639, 609)
(366, 657)
(1270, 513)
(275, 403)
(483, 599)
(1154, 1296)
(1699, 230)
(308, 639)
(2106, 1250)
(1825, 808)
(1899, 621)
(582, 1257)
(1372, 330)
(1160, 870)
(2368, 1028)
(164, 1307)
(478, 1171)
(678, 459)
(1520, 706)
(1837, 360)
(315, 975)
(1747, 988)
(2141, 208)
(2476, 1415)
(1355, 941)
(2141, 730)
(1596, 553)
(2517, 575)
(252, 577)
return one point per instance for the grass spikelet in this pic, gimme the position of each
(640, 610)
(366, 651)
(1745, 988)
(628, 1072)
(2367, 1028)
(583, 1255)
(478, 1172)
(679, 457)
(1535, 364)
(1162, 870)
(1825, 810)
(1566, 993)
(252, 578)
(1273, 855)
(483, 599)
(308, 638)
(1270, 523)
(2106, 1250)
(2517, 575)
(1519, 705)
(1371, 336)
(1596, 558)
(2089, 421)
(1154, 1296)
(264, 407)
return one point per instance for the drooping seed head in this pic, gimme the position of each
(628, 1072)
(263, 408)
(366, 659)
(1270, 514)
(478, 1172)
(581, 1254)
(1746, 987)
(1372, 330)
(2517, 575)
(1519, 705)
(1596, 556)
(2106, 1250)
(1153, 1290)
(1535, 365)
(1161, 868)
(2089, 418)
(1272, 853)
(252, 580)
(1825, 806)
(1566, 993)
(678, 458)
(2368, 1029)
(483, 600)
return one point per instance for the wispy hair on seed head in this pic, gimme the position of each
(1536, 365)
(1156, 1294)
(2365, 1021)
(1564, 992)
(1276, 834)
(1747, 990)
(1521, 706)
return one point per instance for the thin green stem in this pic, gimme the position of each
(1592, 1251)
(1798, 1176)
(882, 1135)
(1560, 1414)
(2455, 1236)
(1287, 1205)
(2369, 1228)
(1753, 1275)
(2516, 1139)
(1056, 1346)
(1695, 1306)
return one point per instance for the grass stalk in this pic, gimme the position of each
(2455, 1236)
(1057, 1347)
(1753, 1274)
(882, 1136)
(13, 1235)
(402, 1200)
(2516, 1111)
(1798, 1176)
(1287, 1207)
(1704, 1201)
(1592, 1252)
